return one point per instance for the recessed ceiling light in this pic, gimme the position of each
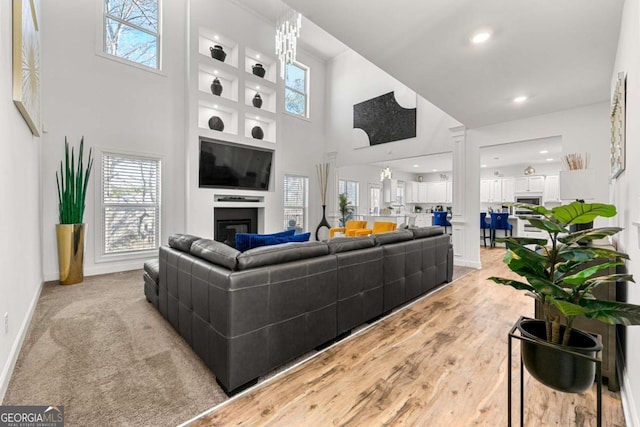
(258, 87)
(215, 105)
(519, 99)
(257, 117)
(415, 166)
(544, 151)
(549, 160)
(480, 37)
(435, 170)
(215, 72)
(216, 37)
(258, 56)
(483, 166)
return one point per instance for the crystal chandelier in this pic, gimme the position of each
(287, 33)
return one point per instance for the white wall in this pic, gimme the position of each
(625, 195)
(20, 254)
(115, 107)
(352, 79)
(300, 143)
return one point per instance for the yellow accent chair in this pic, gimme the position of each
(350, 229)
(378, 227)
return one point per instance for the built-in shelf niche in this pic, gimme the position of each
(253, 57)
(207, 74)
(267, 124)
(208, 39)
(267, 93)
(228, 115)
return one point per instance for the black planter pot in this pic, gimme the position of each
(217, 52)
(216, 123)
(216, 87)
(257, 100)
(257, 132)
(258, 70)
(552, 366)
(323, 222)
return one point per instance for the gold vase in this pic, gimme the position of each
(70, 252)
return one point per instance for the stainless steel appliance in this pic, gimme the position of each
(529, 200)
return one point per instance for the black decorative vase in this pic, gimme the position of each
(216, 123)
(258, 70)
(257, 132)
(216, 87)
(323, 222)
(257, 100)
(552, 365)
(217, 52)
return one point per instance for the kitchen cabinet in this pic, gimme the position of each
(491, 190)
(389, 190)
(411, 192)
(437, 192)
(551, 189)
(508, 190)
(422, 192)
(423, 220)
(529, 184)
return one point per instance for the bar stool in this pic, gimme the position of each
(500, 221)
(440, 218)
(484, 226)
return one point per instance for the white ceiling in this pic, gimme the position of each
(559, 53)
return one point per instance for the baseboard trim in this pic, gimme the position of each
(7, 371)
(626, 395)
(103, 269)
(466, 263)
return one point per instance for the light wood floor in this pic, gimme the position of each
(440, 362)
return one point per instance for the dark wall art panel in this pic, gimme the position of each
(384, 120)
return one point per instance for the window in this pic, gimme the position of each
(130, 203)
(375, 196)
(132, 31)
(296, 195)
(352, 188)
(296, 89)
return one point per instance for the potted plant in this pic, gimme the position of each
(346, 209)
(562, 272)
(72, 181)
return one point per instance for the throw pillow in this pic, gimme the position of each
(246, 241)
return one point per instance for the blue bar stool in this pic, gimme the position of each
(440, 218)
(484, 226)
(500, 221)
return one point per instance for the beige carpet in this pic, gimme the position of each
(101, 350)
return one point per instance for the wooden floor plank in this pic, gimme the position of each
(440, 362)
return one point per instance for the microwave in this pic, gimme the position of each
(529, 200)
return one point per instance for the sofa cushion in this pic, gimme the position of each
(392, 237)
(152, 268)
(345, 244)
(271, 255)
(421, 232)
(215, 252)
(246, 241)
(182, 242)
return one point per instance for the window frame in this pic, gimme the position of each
(305, 207)
(307, 71)
(100, 255)
(101, 41)
(356, 207)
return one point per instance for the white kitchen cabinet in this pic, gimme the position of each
(485, 191)
(491, 190)
(437, 192)
(423, 190)
(389, 190)
(551, 189)
(529, 184)
(508, 190)
(411, 192)
(423, 220)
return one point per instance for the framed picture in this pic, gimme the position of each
(618, 112)
(26, 61)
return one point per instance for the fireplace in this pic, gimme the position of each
(229, 221)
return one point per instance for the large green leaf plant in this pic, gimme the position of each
(346, 209)
(72, 180)
(561, 272)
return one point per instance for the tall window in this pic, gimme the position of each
(375, 196)
(296, 89)
(130, 203)
(296, 201)
(352, 189)
(132, 30)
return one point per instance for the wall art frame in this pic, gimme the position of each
(618, 127)
(26, 61)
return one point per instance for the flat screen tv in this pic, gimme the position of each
(227, 165)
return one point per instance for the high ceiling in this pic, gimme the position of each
(558, 53)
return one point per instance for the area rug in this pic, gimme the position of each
(106, 354)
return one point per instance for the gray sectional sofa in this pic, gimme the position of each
(246, 313)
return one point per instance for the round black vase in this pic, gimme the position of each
(257, 132)
(257, 100)
(551, 364)
(217, 52)
(216, 123)
(216, 87)
(258, 70)
(323, 222)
